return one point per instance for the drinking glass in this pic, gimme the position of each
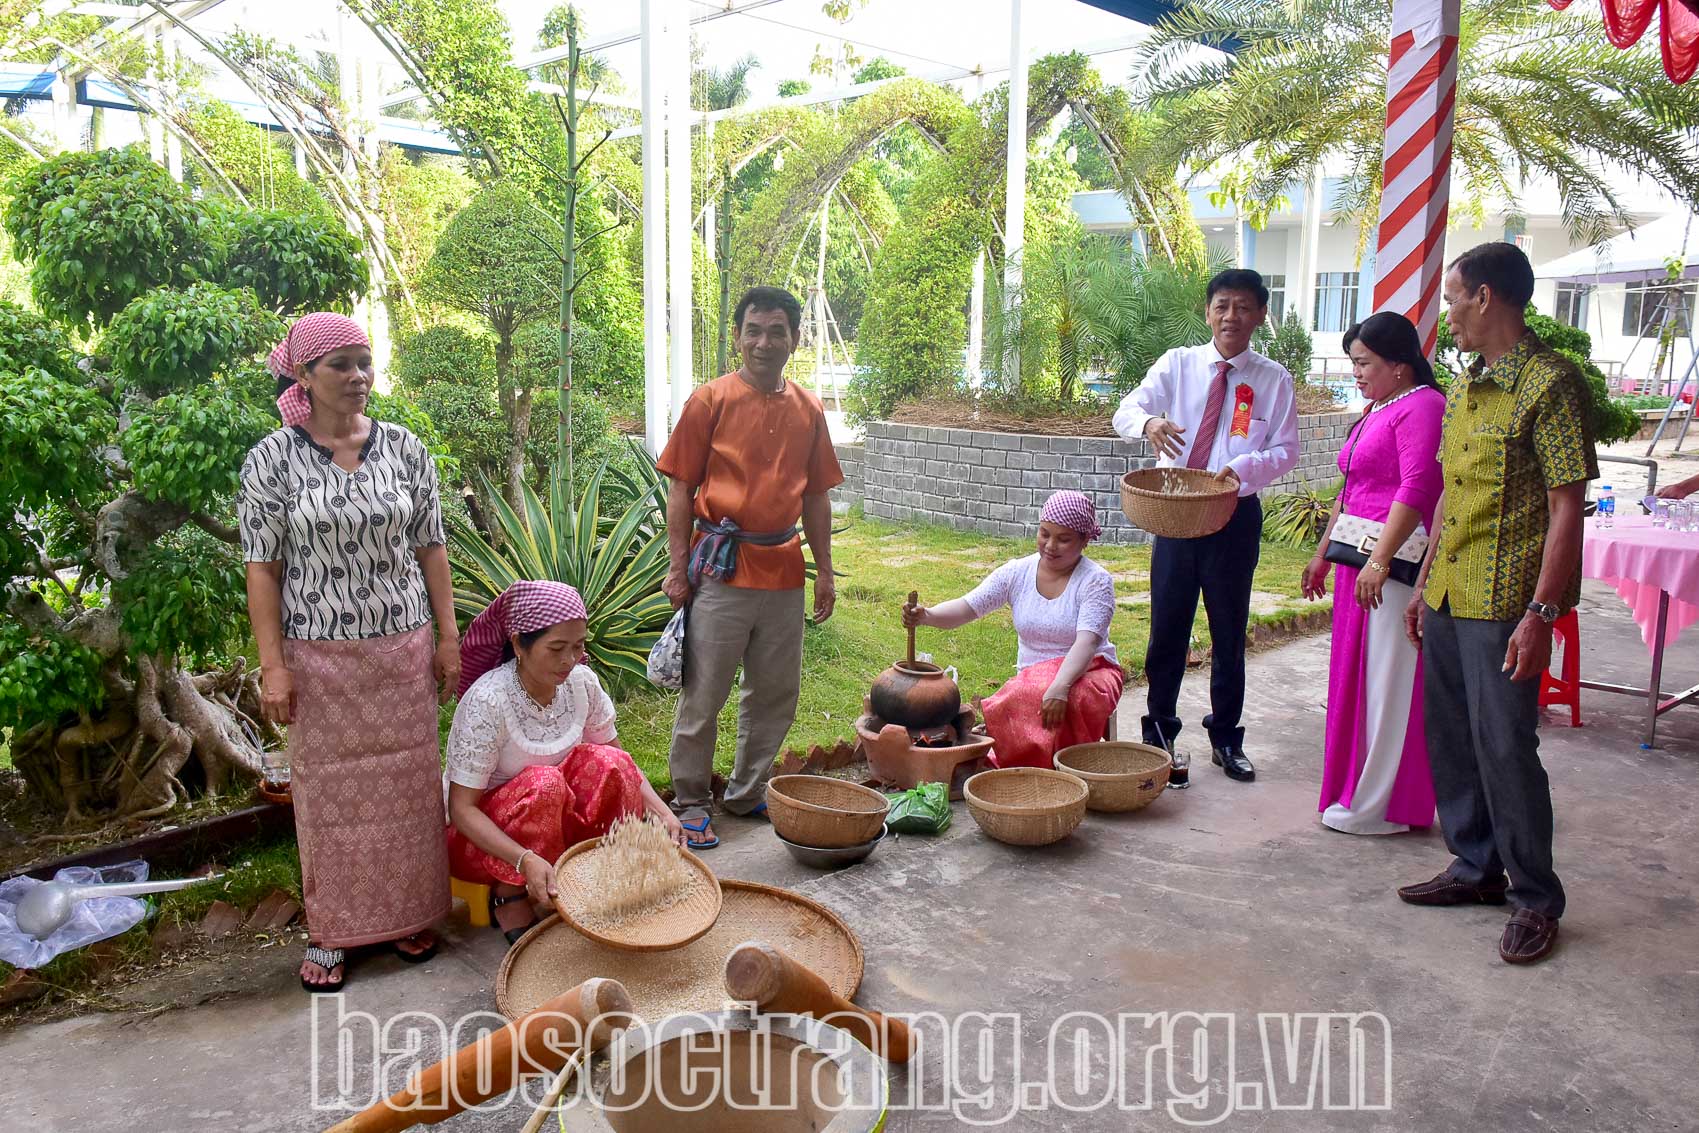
(1680, 515)
(1661, 512)
(274, 767)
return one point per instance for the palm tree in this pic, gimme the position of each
(1540, 93)
(718, 89)
(1096, 302)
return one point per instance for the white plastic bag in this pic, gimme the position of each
(666, 659)
(96, 919)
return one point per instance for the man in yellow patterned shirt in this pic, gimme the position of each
(1506, 563)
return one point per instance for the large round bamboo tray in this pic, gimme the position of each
(1026, 806)
(1204, 510)
(1121, 777)
(660, 931)
(551, 957)
(825, 813)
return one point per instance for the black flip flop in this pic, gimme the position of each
(512, 934)
(414, 957)
(328, 959)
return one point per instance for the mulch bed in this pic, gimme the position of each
(1092, 422)
(967, 415)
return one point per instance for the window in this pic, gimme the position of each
(1276, 285)
(1571, 305)
(1646, 305)
(1336, 300)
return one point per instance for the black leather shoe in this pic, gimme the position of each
(1232, 760)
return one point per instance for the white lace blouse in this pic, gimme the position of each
(499, 730)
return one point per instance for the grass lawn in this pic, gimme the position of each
(878, 564)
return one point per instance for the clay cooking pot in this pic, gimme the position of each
(915, 694)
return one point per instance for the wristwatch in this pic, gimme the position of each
(1546, 611)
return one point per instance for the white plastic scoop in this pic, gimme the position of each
(44, 909)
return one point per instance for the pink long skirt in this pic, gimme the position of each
(548, 807)
(366, 779)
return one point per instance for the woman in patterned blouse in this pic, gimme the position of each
(532, 762)
(347, 570)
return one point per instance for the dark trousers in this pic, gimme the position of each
(1495, 802)
(1219, 567)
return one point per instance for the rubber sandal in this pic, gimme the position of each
(758, 811)
(698, 826)
(512, 934)
(418, 957)
(329, 959)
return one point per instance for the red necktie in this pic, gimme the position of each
(1203, 441)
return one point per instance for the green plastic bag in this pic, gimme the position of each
(920, 810)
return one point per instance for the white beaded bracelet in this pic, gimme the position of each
(519, 866)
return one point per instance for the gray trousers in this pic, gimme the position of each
(731, 626)
(1495, 802)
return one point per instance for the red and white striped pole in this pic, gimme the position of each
(1421, 96)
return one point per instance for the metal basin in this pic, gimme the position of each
(832, 859)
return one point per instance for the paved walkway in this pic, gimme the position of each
(1224, 898)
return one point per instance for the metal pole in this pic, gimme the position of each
(1014, 206)
(681, 239)
(569, 270)
(655, 402)
(725, 237)
(822, 351)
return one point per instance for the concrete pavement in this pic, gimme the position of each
(1226, 898)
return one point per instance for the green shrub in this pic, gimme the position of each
(187, 447)
(171, 339)
(617, 559)
(295, 262)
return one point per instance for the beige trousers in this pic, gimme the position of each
(729, 626)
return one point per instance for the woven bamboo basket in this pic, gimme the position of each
(551, 957)
(1203, 511)
(825, 813)
(1026, 806)
(1121, 777)
(672, 927)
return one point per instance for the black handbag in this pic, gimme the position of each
(1353, 538)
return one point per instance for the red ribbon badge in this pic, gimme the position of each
(1241, 411)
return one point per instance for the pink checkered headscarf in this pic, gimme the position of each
(311, 338)
(1072, 510)
(523, 607)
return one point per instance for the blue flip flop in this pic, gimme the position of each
(695, 820)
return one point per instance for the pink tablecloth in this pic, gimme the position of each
(1641, 561)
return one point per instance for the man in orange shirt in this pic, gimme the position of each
(748, 456)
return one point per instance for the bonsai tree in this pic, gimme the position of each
(496, 262)
(121, 636)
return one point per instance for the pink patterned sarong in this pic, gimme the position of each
(1014, 713)
(366, 779)
(548, 807)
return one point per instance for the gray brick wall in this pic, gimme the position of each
(853, 460)
(997, 482)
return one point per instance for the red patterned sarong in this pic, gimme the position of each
(366, 776)
(548, 807)
(1014, 713)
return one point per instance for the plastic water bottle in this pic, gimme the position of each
(1606, 506)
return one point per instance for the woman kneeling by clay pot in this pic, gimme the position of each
(1068, 681)
(532, 766)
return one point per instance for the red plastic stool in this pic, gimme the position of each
(1565, 689)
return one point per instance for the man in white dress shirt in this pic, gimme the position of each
(1227, 409)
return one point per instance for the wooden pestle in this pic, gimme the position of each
(913, 601)
(540, 1040)
(758, 973)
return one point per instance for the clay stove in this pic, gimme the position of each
(905, 757)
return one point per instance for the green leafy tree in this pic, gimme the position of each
(1540, 93)
(104, 228)
(292, 259)
(496, 261)
(1611, 420)
(120, 670)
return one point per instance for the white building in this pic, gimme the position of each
(1339, 288)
